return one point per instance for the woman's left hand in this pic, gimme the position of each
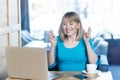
(87, 35)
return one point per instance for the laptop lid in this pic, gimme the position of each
(27, 63)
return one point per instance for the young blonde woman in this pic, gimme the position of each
(72, 49)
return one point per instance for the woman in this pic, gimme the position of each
(73, 48)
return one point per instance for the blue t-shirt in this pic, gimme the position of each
(71, 59)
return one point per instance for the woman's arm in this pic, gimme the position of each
(51, 54)
(92, 57)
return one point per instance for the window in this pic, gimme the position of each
(100, 15)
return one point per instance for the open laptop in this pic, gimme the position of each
(28, 63)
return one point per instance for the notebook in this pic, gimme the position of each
(28, 63)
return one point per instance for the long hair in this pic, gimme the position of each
(73, 17)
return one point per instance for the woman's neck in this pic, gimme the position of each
(70, 43)
(71, 38)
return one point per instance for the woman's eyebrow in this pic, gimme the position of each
(72, 21)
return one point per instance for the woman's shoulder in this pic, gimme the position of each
(59, 41)
(58, 37)
(82, 40)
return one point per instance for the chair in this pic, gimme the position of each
(101, 49)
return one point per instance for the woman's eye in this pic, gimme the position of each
(71, 23)
(64, 24)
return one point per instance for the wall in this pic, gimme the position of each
(9, 30)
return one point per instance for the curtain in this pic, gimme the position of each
(25, 15)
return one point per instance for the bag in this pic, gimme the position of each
(113, 50)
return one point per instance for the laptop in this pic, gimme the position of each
(28, 63)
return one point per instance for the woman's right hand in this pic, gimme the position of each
(52, 38)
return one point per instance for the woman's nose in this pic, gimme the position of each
(67, 26)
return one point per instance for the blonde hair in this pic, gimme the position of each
(74, 17)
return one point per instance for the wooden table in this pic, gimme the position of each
(69, 76)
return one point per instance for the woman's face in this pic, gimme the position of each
(70, 27)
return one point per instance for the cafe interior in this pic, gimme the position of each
(26, 23)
